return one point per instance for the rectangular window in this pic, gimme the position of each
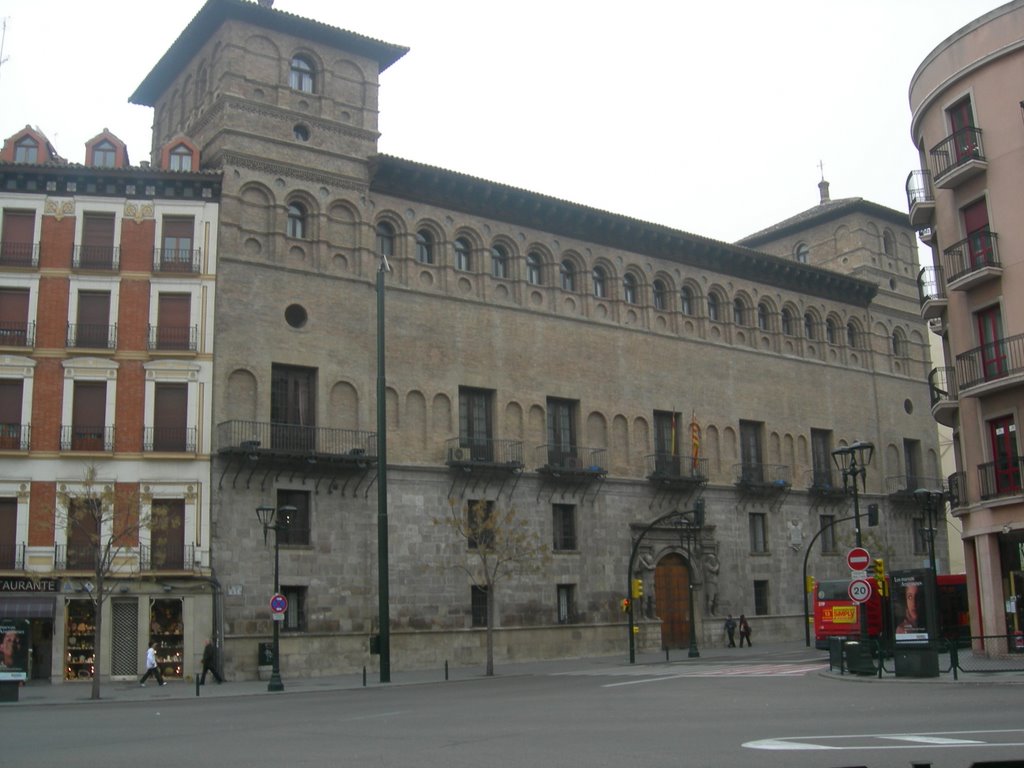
(83, 533)
(8, 534)
(93, 321)
(761, 597)
(97, 249)
(293, 408)
(563, 518)
(979, 237)
(961, 122)
(11, 395)
(14, 317)
(821, 456)
(295, 616)
(17, 248)
(562, 450)
(993, 346)
(480, 524)
(475, 425)
(88, 416)
(828, 536)
(177, 253)
(751, 456)
(170, 418)
(478, 605)
(167, 535)
(174, 322)
(912, 462)
(1005, 458)
(566, 603)
(297, 533)
(668, 436)
(758, 537)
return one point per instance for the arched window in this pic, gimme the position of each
(686, 300)
(463, 255)
(713, 307)
(660, 295)
(499, 262)
(830, 331)
(888, 245)
(302, 77)
(851, 335)
(424, 247)
(568, 275)
(297, 221)
(787, 321)
(180, 158)
(762, 317)
(600, 278)
(533, 269)
(385, 239)
(899, 344)
(739, 312)
(26, 150)
(809, 326)
(104, 154)
(803, 253)
(629, 288)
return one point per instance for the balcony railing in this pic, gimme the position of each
(176, 260)
(561, 459)
(931, 291)
(96, 257)
(261, 438)
(72, 557)
(666, 467)
(19, 254)
(823, 481)
(169, 556)
(972, 260)
(958, 157)
(1001, 359)
(12, 556)
(15, 437)
(903, 486)
(957, 494)
(92, 335)
(17, 334)
(75, 437)
(483, 451)
(920, 198)
(169, 439)
(1000, 478)
(944, 395)
(173, 338)
(766, 476)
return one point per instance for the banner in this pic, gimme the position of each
(912, 592)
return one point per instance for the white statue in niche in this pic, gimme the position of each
(711, 569)
(796, 535)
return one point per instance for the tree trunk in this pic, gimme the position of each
(97, 641)
(490, 629)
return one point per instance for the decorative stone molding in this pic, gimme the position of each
(58, 208)
(139, 211)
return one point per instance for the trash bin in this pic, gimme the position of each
(266, 655)
(835, 653)
(858, 658)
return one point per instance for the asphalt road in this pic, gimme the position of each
(688, 714)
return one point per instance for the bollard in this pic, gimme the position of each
(197, 686)
(446, 670)
(364, 677)
(666, 654)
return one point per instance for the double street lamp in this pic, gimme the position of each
(690, 524)
(276, 520)
(930, 501)
(852, 461)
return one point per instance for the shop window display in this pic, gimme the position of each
(167, 631)
(79, 638)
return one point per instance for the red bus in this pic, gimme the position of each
(835, 615)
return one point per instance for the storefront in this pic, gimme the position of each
(34, 600)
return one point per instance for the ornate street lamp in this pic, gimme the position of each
(276, 521)
(930, 501)
(852, 461)
(690, 524)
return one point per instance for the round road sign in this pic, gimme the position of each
(278, 603)
(859, 590)
(858, 559)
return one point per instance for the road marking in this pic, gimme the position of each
(862, 741)
(746, 670)
(932, 740)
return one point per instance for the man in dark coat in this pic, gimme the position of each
(210, 663)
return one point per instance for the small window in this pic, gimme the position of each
(297, 221)
(478, 605)
(809, 331)
(385, 239)
(888, 245)
(851, 335)
(686, 300)
(739, 312)
(463, 255)
(104, 154)
(831, 334)
(566, 603)
(787, 322)
(499, 262)
(600, 278)
(826, 524)
(629, 288)
(563, 519)
(301, 132)
(898, 347)
(567, 271)
(26, 150)
(295, 315)
(762, 317)
(660, 295)
(758, 538)
(295, 616)
(713, 307)
(761, 597)
(803, 253)
(425, 247)
(533, 269)
(302, 77)
(180, 158)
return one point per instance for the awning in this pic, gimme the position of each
(27, 607)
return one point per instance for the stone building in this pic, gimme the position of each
(591, 371)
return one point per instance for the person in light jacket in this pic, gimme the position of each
(152, 667)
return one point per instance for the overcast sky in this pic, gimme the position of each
(707, 117)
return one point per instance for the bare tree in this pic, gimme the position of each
(102, 521)
(499, 546)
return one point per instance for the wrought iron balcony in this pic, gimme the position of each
(902, 487)
(177, 260)
(958, 158)
(92, 336)
(77, 437)
(944, 395)
(672, 469)
(1000, 478)
(560, 459)
(173, 338)
(19, 254)
(169, 439)
(75, 557)
(17, 334)
(920, 198)
(931, 290)
(957, 494)
(15, 437)
(12, 556)
(972, 261)
(107, 257)
(822, 481)
(997, 365)
(168, 556)
(765, 477)
(466, 452)
(259, 439)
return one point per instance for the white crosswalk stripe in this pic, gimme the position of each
(673, 672)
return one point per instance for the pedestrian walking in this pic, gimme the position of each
(744, 631)
(152, 667)
(210, 663)
(730, 630)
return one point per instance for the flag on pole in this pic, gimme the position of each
(694, 440)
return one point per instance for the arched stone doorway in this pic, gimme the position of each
(672, 600)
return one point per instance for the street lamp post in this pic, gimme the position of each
(852, 461)
(929, 502)
(690, 524)
(383, 589)
(276, 521)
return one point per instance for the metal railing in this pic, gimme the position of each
(905, 485)
(990, 362)
(19, 254)
(170, 439)
(483, 450)
(96, 257)
(990, 653)
(942, 384)
(560, 458)
(170, 556)
(957, 490)
(669, 467)
(92, 335)
(71, 557)
(176, 260)
(823, 481)
(175, 337)
(956, 150)
(931, 285)
(919, 188)
(12, 556)
(752, 474)
(972, 254)
(1000, 478)
(76, 437)
(18, 334)
(15, 437)
(262, 437)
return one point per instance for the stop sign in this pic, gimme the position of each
(858, 559)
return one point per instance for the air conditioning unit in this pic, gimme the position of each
(459, 455)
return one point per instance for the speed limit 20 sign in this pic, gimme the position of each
(859, 590)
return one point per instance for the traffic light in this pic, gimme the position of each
(878, 571)
(809, 585)
(625, 605)
(638, 589)
(872, 515)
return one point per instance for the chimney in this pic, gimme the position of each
(823, 190)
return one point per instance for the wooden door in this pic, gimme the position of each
(672, 601)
